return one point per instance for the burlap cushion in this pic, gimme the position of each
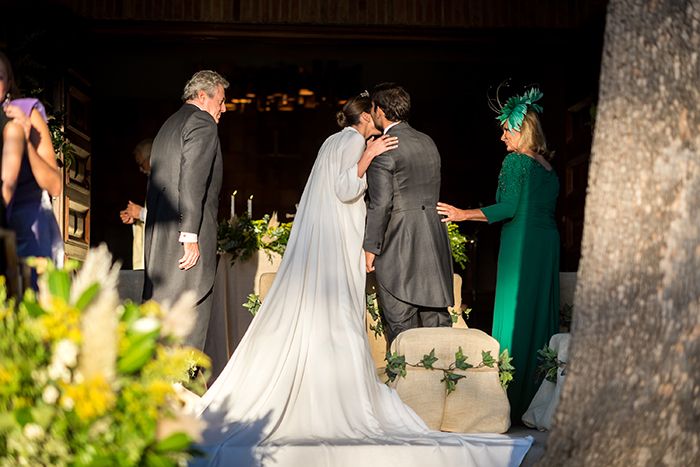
(479, 404)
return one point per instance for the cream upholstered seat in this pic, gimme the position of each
(478, 404)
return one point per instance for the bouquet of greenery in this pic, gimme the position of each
(85, 380)
(243, 236)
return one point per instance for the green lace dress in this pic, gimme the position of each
(526, 310)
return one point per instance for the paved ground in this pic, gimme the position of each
(537, 449)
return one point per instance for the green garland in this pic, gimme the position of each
(396, 366)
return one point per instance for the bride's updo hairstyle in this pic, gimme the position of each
(353, 108)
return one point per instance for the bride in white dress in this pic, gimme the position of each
(301, 388)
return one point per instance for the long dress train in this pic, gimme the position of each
(301, 387)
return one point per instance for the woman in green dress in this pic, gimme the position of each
(526, 310)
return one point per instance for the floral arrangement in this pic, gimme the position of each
(243, 236)
(85, 380)
(396, 366)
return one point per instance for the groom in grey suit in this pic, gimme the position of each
(182, 199)
(405, 243)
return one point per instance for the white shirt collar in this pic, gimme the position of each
(393, 124)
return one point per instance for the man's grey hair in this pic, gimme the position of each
(204, 80)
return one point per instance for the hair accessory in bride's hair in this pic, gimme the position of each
(515, 108)
(364, 93)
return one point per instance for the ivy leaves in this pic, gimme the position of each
(396, 366)
(549, 364)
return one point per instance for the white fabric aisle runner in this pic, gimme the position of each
(301, 388)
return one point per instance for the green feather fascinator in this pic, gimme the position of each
(515, 108)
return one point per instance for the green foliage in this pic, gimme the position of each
(59, 140)
(62, 403)
(488, 359)
(253, 304)
(506, 370)
(396, 366)
(461, 361)
(549, 364)
(374, 311)
(242, 237)
(451, 379)
(515, 108)
(428, 360)
(458, 243)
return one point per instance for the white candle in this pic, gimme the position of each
(233, 204)
(250, 207)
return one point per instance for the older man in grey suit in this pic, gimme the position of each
(182, 199)
(405, 242)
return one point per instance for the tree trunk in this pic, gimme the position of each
(632, 392)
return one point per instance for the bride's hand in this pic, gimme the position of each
(384, 143)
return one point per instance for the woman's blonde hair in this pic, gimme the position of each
(532, 136)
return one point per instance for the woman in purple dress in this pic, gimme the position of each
(29, 180)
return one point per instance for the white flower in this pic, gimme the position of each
(59, 372)
(50, 395)
(145, 325)
(67, 403)
(66, 352)
(33, 431)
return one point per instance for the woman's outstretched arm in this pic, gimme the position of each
(454, 214)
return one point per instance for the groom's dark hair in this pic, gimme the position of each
(393, 100)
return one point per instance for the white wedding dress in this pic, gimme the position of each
(301, 388)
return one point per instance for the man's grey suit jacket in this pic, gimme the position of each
(183, 196)
(414, 261)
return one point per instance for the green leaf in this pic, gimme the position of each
(43, 414)
(504, 361)
(177, 442)
(33, 308)
(137, 355)
(23, 415)
(59, 284)
(7, 422)
(87, 296)
(131, 313)
(505, 377)
(428, 360)
(450, 379)
(488, 359)
(157, 460)
(396, 365)
(461, 360)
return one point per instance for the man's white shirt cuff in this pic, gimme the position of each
(187, 237)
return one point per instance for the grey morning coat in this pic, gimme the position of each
(183, 191)
(414, 261)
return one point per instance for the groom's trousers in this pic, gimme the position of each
(400, 315)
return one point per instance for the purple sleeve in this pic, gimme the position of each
(29, 104)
